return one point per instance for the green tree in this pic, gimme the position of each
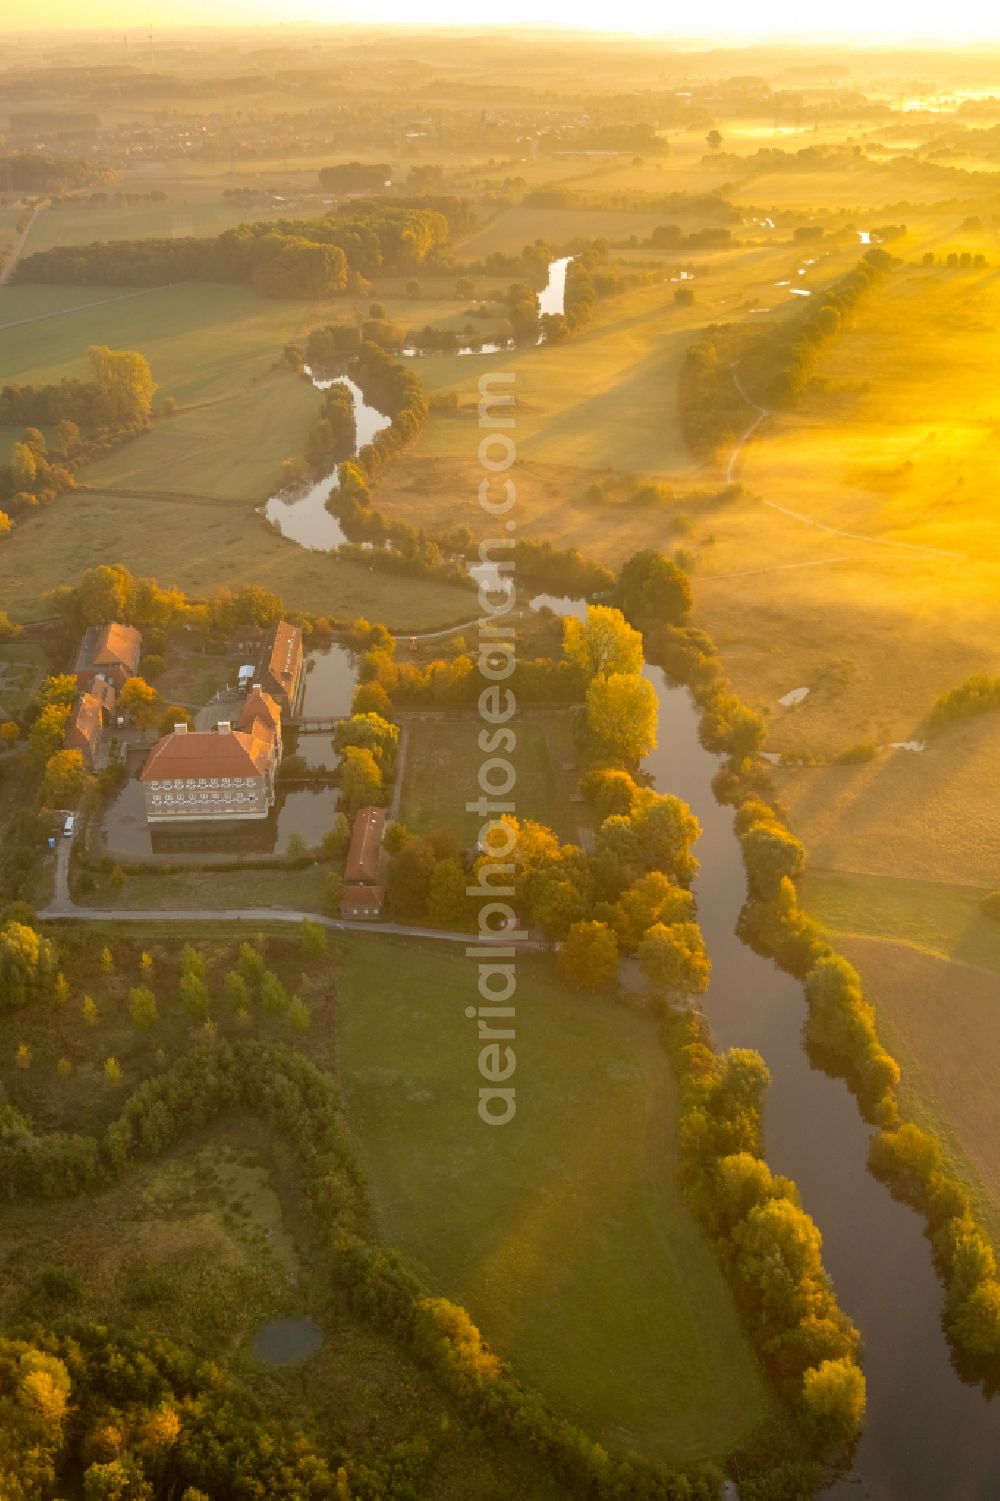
(588, 957)
(23, 467)
(447, 903)
(771, 852)
(236, 991)
(142, 1007)
(273, 994)
(609, 790)
(312, 941)
(119, 1480)
(194, 994)
(652, 590)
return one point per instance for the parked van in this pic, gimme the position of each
(69, 825)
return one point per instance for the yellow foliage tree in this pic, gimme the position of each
(603, 644)
(621, 713)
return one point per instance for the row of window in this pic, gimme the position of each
(204, 782)
(186, 798)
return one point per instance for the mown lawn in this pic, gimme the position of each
(442, 765)
(564, 1232)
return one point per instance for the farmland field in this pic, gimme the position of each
(567, 1239)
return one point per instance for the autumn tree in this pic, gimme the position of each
(604, 644)
(141, 702)
(125, 383)
(833, 1398)
(46, 734)
(369, 731)
(64, 780)
(673, 958)
(61, 688)
(27, 965)
(588, 957)
(653, 899)
(621, 715)
(360, 778)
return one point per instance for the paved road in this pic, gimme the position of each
(59, 911)
(62, 906)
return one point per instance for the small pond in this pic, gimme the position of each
(282, 1342)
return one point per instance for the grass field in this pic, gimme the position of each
(603, 403)
(941, 1020)
(931, 815)
(930, 961)
(899, 450)
(216, 351)
(205, 890)
(22, 664)
(201, 547)
(564, 1234)
(187, 212)
(443, 759)
(944, 921)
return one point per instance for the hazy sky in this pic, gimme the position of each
(957, 20)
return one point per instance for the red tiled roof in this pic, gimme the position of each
(104, 692)
(84, 722)
(208, 754)
(259, 708)
(366, 841)
(285, 655)
(118, 643)
(361, 899)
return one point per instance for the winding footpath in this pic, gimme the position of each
(762, 414)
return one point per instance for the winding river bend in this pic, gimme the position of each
(302, 515)
(928, 1436)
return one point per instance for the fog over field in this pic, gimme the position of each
(499, 754)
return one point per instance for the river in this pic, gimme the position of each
(301, 514)
(928, 1436)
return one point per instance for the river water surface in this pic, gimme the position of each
(928, 1436)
